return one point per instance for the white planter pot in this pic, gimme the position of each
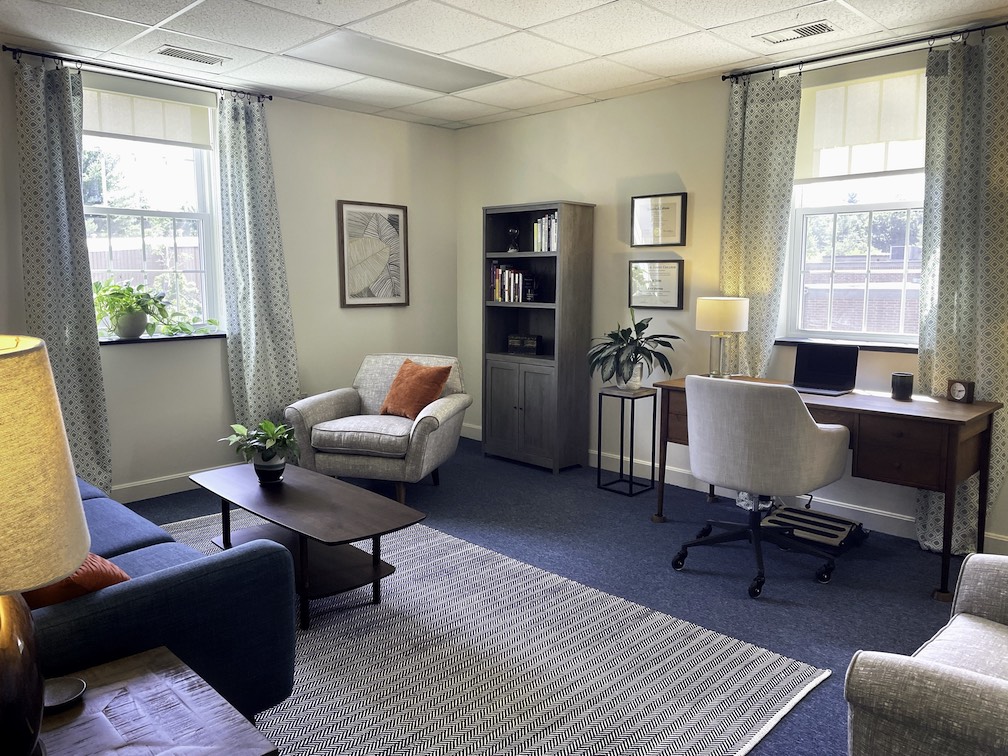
(269, 472)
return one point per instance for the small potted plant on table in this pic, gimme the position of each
(622, 354)
(267, 446)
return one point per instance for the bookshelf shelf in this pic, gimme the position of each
(536, 322)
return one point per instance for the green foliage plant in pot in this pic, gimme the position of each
(130, 311)
(622, 354)
(267, 446)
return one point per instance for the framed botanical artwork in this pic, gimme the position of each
(656, 283)
(658, 220)
(373, 254)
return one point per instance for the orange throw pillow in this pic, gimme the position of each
(414, 387)
(96, 573)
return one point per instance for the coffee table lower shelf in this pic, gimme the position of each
(320, 569)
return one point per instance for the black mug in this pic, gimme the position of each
(902, 386)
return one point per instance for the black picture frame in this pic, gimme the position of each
(656, 284)
(373, 254)
(658, 220)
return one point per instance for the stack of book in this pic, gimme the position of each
(544, 233)
(509, 284)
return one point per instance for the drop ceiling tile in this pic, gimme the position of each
(281, 71)
(570, 102)
(515, 93)
(429, 26)
(683, 55)
(814, 51)
(240, 22)
(895, 14)
(518, 54)
(385, 94)
(592, 76)
(848, 24)
(507, 115)
(64, 26)
(525, 13)
(614, 27)
(633, 89)
(335, 12)
(402, 115)
(127, 10)
(145, 49)
(708, 14)
(451, 109)
(329, 101)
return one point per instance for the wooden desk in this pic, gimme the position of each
(926, 443)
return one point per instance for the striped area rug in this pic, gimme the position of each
(471, 652)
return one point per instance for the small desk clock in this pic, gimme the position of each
(960, 391)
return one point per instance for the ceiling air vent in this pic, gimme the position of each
(193, 56)
(797, 32)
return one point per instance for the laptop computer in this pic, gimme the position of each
(825, 369)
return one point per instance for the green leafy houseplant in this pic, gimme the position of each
(267, 439)
(616, 353)
(115, 301)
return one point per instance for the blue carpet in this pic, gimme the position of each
(879, 597)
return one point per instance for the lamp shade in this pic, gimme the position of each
(722, 314)
(43, 533)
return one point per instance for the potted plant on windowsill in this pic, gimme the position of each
(267, 446)
(622, 354)
(131, 311)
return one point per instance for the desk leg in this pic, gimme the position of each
(659, 516)
(942, 592)
(985, 449)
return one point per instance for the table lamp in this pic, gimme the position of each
(724, 316)
(43, 533)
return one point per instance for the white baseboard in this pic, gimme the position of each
(147, 489)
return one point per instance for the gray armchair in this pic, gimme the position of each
(951, 695)
(342, 434)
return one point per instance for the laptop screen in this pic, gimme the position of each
(826, 366)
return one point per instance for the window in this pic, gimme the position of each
(859, 188)
(148, 194)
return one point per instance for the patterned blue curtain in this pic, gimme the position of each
(964, 276)
(262, 355)
(57, 273)
(756, 210)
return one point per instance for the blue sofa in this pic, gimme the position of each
(229, 616)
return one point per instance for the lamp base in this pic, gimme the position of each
(22, 688)
(716, 361)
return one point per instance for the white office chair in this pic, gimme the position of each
(759, 438)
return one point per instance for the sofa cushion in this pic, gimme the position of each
(972, 643)
(88, 491)
(369, 435)
(115, 529)
(160, 556)
(96, 573)
(413, 388)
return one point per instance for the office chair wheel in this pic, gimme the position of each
(756, 587)
(704, 531)
(679, 560)
(825, 574)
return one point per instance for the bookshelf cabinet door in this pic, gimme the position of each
(500, 423)
(537, 411)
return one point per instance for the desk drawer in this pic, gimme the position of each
(677, 433)
(894, 450)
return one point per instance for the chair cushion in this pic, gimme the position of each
(970, 642)
(96, 573)
(369, 435)
(413, 388)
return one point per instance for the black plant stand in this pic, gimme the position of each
(626, 480)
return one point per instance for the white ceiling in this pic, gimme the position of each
(552, 54)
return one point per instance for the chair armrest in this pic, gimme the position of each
(928, 701)
(435, 435)
(982, 589)
(312, 410)
(441, 410)
(229, 616)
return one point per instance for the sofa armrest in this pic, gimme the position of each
(312, 410)
(982, 589)
(896, 699)
(229, 616)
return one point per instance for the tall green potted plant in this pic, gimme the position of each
(267, 446)
(621, 354)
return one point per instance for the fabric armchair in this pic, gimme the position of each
(951, 695)
(342, 433)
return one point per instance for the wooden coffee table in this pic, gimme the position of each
(308, 506)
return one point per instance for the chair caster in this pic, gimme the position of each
(704, 531)
(756, 587)
(825, 573)
(679, 560)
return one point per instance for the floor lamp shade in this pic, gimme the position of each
(43, 533)
(721, 316)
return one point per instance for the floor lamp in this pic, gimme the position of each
(724, 316)
(43, 533)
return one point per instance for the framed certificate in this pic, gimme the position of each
(658, 220)
(656, 283)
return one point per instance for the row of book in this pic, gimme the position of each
(509, 284)
(544, 233)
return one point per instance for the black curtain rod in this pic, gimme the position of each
(17, 51)
(930, 39)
